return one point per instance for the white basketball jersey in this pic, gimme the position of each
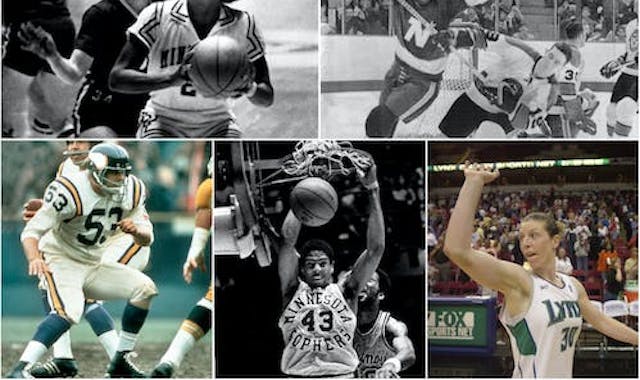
(372, 347)
(543, 339)
(77, 222)
(318, 328)
(631, 42)
(166, 29)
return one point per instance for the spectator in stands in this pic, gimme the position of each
(614, 283)
(607, 254)
(325, 26)
(631, 276)
(589, 25)
(563, 264)
(581, 247)
(356, 24)
(441, 261)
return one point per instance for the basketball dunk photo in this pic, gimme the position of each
(319, 256)
(160, 69)
(533, 260)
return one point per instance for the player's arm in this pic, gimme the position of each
(288, 257)
(368, 260)
(58, 206)
(125, 76)
(531, 52)
(485, 269)
(601, 322)
(398, 334)
(201, 232)
(41, 43)
(260, 91)
(137, 224)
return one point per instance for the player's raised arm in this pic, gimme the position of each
(368, 261)
(601, 322)
(406, 356)
(288, 257)
(485, 269)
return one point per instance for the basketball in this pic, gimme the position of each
(218, 66)
(314, 201)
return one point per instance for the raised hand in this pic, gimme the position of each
(484, 172)
(37, 41)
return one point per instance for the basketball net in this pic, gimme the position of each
(325, 159)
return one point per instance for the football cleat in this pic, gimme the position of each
(122, 367)
(162, 370)
(55, 368)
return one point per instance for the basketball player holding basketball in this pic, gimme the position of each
(98, 112)
(622, 113)
(543, 309)
(381, 341)
(424, 39)
(164, 33)
(318, 319)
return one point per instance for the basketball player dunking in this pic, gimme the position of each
(318, 320)
(381, 341)
(165, 32)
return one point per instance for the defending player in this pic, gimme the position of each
(381, 341)
(543, 309)
(497, 94)
(574, 107)
(98, 111)
(122, 249)
(34, 102)
(424, 40)
(318, 319)
(164, 33)
(65, 243)
(622, 113)
(198, 323)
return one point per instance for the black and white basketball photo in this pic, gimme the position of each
(516, 69)
(319, 259)
(159, 69)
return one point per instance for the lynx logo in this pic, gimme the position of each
(451, 324)
(417, 31)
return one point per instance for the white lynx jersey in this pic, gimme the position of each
(166, 29)
(543, 339)
(318, 328)
(77, 222)
(631, 42)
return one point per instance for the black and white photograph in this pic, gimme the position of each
(319, 257)
(160, 69)
(479, 69)
(533, 259)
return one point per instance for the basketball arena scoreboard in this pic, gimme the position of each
(530, 164)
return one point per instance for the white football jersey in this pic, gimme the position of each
(318, 326)
(77, 222)
(543, 339)
(373, 347)
(166, 29)
(631, 42)
(67, 167)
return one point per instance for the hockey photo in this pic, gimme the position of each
(105, 264)
(319, 256)
(479, 69)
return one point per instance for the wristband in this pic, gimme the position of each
(198, 242)
(395, 363)
(372, 186)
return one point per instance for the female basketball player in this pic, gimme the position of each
(543, 309)
(318, 319)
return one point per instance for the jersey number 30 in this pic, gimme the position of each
(568, 337)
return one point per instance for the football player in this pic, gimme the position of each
(65, 243)
(35, 103)
(198, 323)
(98, 112)
(318, 336)
(381, 341)
(164, 33)
(122, 250)
(622, 113)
